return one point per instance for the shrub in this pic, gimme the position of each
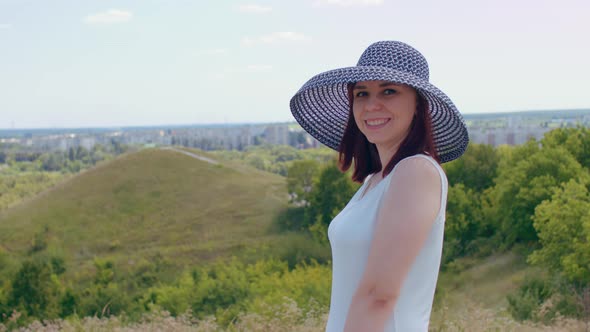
(526, 302)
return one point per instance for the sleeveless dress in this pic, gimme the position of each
(350, 235)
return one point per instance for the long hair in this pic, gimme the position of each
(355, 146)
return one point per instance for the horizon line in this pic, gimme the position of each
(233, 124)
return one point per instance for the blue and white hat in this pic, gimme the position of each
(321, 106)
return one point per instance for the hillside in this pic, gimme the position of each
(149, 203)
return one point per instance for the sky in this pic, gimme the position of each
(109, 63)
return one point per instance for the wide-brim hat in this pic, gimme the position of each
(321, 106)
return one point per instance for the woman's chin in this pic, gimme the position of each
(376, 140)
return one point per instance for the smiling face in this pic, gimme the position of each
(383, 111)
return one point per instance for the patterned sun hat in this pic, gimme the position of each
(321, 106)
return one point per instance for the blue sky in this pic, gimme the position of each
(95, 63)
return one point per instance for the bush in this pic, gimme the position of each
(291, 219)
(300, 248)
(526, 302)
(35, 291)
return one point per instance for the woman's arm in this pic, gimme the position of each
(407, 213)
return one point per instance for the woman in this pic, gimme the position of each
(386, 119)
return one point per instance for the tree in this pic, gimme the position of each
(526, 177)
(476, 169)
(104, 297)
(563, 226)
(463, 220)
(329, 195)
(575, 140)
(34, 291)
(71, 154)
(52, 161)
(300, 177)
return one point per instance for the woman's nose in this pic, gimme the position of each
(373, 104)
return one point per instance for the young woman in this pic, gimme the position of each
(395, 128)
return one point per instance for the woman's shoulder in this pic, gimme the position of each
(419, 167)
(420, 160)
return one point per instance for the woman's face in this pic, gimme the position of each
(383, 111)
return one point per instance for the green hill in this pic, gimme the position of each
(146, 204)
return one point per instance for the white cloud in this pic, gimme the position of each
(212, 51)
(275, 37)
(254, 9)
(109, 17)
(349, 3)
(5, 26)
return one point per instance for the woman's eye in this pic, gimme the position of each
(389, 91)
(361, 94)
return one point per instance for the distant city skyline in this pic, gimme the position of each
(107, 63)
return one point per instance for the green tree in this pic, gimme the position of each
(52, 161)
(527, 176)
(104, 297)
(329, 195)
(68, 303)
(563, 226)
(575, 140)
(300, 178)
(34, 291)
(105, 272)
(476, 169)
(463, 222)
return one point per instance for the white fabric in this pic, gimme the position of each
(350, 235)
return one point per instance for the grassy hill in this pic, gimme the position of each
(146, 204)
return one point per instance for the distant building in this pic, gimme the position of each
(277, 134)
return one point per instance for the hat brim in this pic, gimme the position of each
(321, 107)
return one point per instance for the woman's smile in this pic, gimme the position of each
(377, 123)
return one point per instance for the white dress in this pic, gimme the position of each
(350, 235)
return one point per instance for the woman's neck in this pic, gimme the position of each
(385, 154)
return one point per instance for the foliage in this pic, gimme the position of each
(476, 169)
(299, 248)
(464, 222)
(225, 289)
(274, 158)
(543, 298)
(575, 140)
(524, 304)
(16, 187)
(35, 290)
(300, 178)
(563, 226)
(29, 172)
(331, 193)
(291, 219)
(527, 176)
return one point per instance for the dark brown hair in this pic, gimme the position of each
(355, 146)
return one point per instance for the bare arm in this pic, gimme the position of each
(406, 215)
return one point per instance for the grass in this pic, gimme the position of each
(148, 203)
(474, 299)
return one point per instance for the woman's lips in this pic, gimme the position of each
(377, 123)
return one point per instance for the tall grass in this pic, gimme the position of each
(470, 318)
